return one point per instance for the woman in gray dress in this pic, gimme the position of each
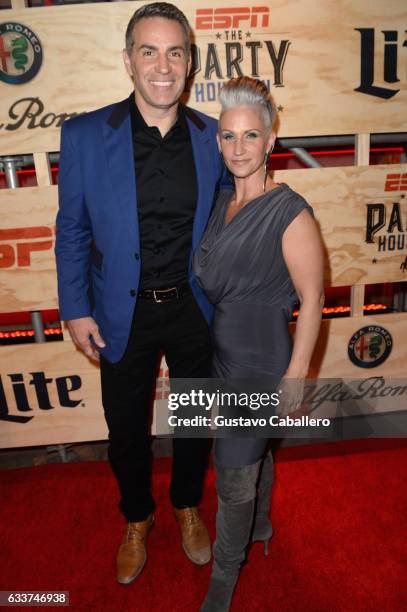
(260, 251)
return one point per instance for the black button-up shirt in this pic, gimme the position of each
(166, 198)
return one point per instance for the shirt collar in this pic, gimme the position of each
(182, 119)
(139, 124)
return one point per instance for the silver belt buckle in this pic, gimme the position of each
(156, 291)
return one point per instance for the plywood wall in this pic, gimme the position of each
(309, 52)
(332, 67)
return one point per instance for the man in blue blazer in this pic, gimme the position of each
(137, 183)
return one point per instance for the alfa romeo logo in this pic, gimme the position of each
(20, 53)
(370, 346)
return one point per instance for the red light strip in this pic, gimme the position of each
(57, 330)
(54, 169)
(342, 309)
(30, 171)
(27, 333)
(344, 151)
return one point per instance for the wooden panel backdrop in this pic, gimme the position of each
(316, 75)
(313, 55)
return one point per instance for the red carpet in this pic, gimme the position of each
(339, 512)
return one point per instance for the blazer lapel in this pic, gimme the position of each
(200, 140)
(118, 144)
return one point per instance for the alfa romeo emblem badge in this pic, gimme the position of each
(20, 53)
(370, 346)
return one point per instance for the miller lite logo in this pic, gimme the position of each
(20, 53)
(15, 404)
(229, 18)
(391, 52)
(370, 346)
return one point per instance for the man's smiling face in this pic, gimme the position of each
(158, 63)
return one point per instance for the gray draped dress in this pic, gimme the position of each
(241, 268)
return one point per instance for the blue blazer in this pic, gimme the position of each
(98, 242)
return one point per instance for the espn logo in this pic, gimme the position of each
(396, 182)
(16, 245)
(232, 18)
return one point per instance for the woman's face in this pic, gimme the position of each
(244, 140)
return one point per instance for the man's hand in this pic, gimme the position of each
(81, 330)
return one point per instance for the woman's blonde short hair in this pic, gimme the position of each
(245, 91)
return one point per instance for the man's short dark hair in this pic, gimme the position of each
(158, 9)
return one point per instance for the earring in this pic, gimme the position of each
(266, 161)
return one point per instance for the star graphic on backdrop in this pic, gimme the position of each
(280, 108)
(218, 35)
(374, 260)
(248, 34)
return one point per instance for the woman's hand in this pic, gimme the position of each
(291, 393)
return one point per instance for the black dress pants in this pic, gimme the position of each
(179, 329)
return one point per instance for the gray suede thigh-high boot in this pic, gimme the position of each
(236, 488)
(262, 528)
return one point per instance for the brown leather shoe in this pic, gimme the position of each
(195, 537)
(132, 556)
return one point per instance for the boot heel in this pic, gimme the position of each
(266, 547)
(236, 489)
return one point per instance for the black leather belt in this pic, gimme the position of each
(167, 294)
